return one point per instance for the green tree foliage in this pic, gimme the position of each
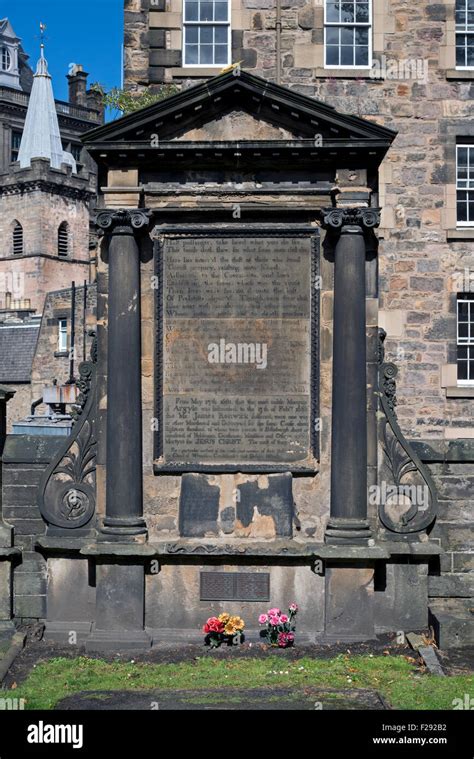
(120, 102)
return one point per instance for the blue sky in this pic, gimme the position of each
(83, 31)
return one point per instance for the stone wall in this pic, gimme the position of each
(24, 460)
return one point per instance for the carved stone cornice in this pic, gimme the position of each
(334, 219)
(53, 188)
(122, 220)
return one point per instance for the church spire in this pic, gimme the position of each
(41, 136)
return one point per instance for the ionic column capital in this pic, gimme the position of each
(350, 219)
(122, 220)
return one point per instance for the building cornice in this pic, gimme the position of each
(46, 186)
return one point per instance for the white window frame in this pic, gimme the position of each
(463, 29)
(466, 342)
(62, 336)
(337, 24)
(467, 189)
(198, 23)
(5, 50)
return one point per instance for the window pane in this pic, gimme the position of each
(332, 11)
(463, 329)
(191, 11)
(220, 35)
(460, 55)
(221, 54)
(192, 54)
(206, 35)
(347, 12)
(206, 54)
(206, 12)
(462, 156)
(470, 53)
(332, 35)
(347, 55)
(332, 55)
(192, 34)
(361, 36)
(221, 12)
(347, 36)
(461, 211)
(462, 370)
(362, 13)
(462, 351)
(462, 310)
(361, 56)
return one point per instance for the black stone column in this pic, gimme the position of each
(121, 550)
(348, 522)
(124, 489)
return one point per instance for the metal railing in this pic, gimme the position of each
(62, 108)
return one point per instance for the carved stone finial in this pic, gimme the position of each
(336, 218)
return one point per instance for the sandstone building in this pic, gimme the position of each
(47, 186)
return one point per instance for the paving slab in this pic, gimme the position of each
(255, 699)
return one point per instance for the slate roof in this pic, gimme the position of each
(41, 136)
(17, 348)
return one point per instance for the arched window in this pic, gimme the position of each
(63, 240)
(17, 238)
(5, 59)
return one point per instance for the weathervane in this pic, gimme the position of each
(42, 36)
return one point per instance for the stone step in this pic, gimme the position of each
(453, 622)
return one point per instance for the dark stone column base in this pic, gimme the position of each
(345, 531)
(349, 602)
(121, 529)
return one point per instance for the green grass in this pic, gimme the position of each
(395, 677)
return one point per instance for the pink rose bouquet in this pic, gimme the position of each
(279, 629)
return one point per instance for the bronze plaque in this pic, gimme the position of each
(237, 339)
(235, 586)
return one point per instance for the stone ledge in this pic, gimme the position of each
(61, 545)
(275, 550)
(460, 234)
(6, 554)
(132, 550)
(442, 451)
(31, 449)
(460, 392)
(401, 548)
(460, 74)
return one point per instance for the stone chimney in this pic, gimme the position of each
(77, 80)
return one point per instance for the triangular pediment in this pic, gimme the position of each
(235, 126)
(209, 112)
